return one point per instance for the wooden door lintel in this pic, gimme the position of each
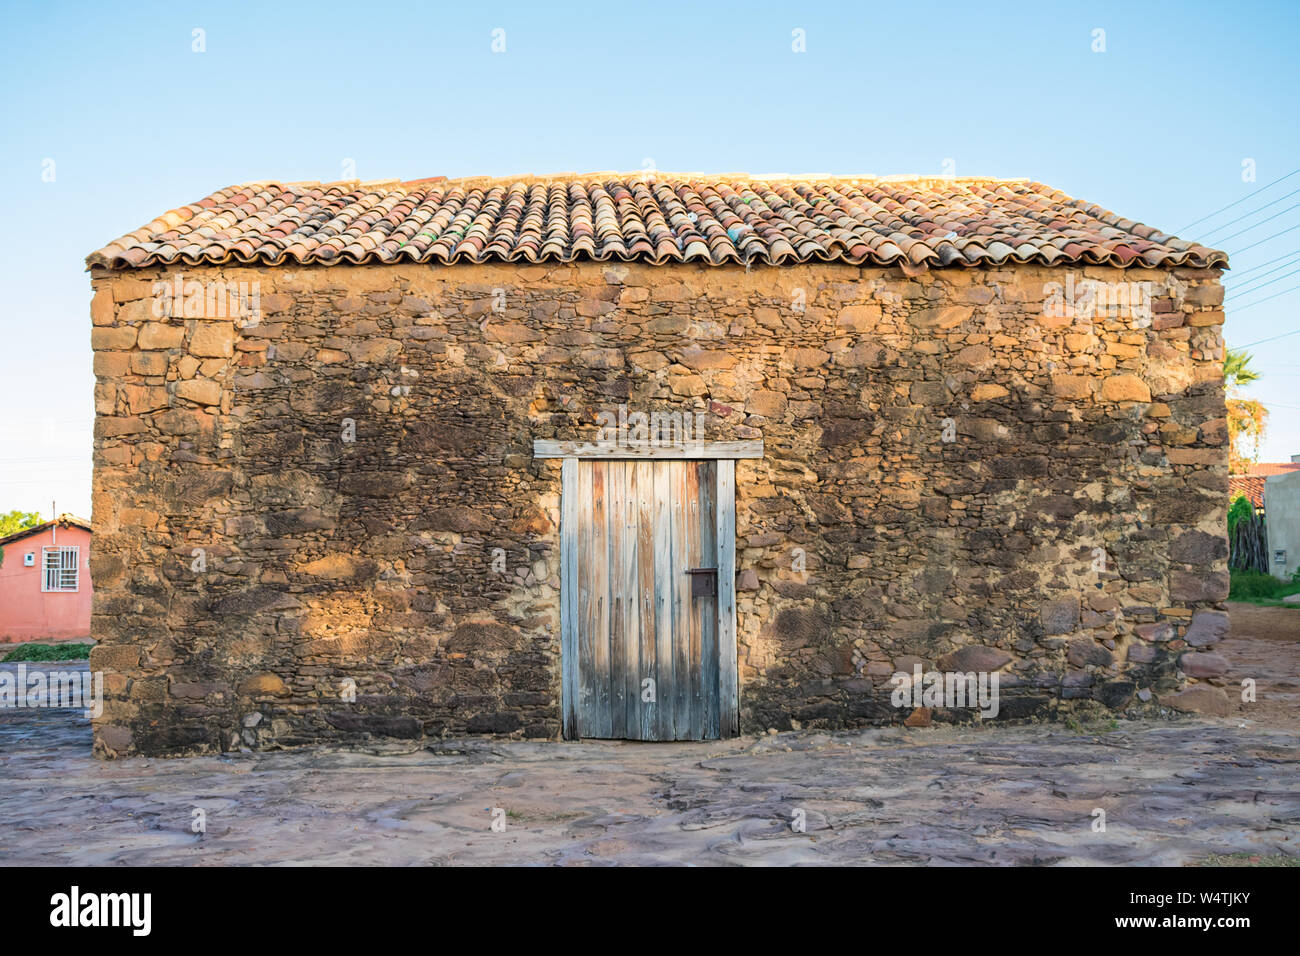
(704, 450)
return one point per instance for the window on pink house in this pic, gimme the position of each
(60, 569)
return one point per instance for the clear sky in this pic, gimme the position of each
(111, 117)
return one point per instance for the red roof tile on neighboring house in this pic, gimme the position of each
(916, 223)
(1251, 484)
(1265, 468)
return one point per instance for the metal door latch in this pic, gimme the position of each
(704, 582)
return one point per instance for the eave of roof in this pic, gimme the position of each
(63, 521)
(1265, 469)
(916, 223)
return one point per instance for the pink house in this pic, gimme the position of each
(45, 582)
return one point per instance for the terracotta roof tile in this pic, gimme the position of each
(1252, 486)
(916, 223)
(1266, 468)
(1253, 483)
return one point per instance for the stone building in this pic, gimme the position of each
(648, 456)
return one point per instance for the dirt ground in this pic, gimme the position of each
(1265, 644)
(1173, 792)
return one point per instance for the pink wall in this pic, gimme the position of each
(28, 613)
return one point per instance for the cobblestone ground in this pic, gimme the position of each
(1173, 792)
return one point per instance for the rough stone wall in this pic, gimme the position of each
(955, 474)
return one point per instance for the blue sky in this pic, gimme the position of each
(1156, 127)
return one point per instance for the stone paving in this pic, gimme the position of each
(1173, 792)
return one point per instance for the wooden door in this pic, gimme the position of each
(645, 660)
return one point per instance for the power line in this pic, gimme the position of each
(1242, 232)
(1273, 338)
(1240, 286)
(1239, 201)
(1264, 240)
(1242, 308)
(1269, 282)
(33, 459)
(1251, 213)
(1238, 275)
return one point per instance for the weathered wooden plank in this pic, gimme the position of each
(616, 507)
(728, 682)
(664, 574)
(588, 601)
(681, 604)
(709, 607)
(629, 659)
(596, 640)
(645, 549)
(708, 450)
(570, 541)
(698, 608)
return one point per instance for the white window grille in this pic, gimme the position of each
(59, 566)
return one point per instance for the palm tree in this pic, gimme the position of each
(1236, 368)
(1247, 418)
